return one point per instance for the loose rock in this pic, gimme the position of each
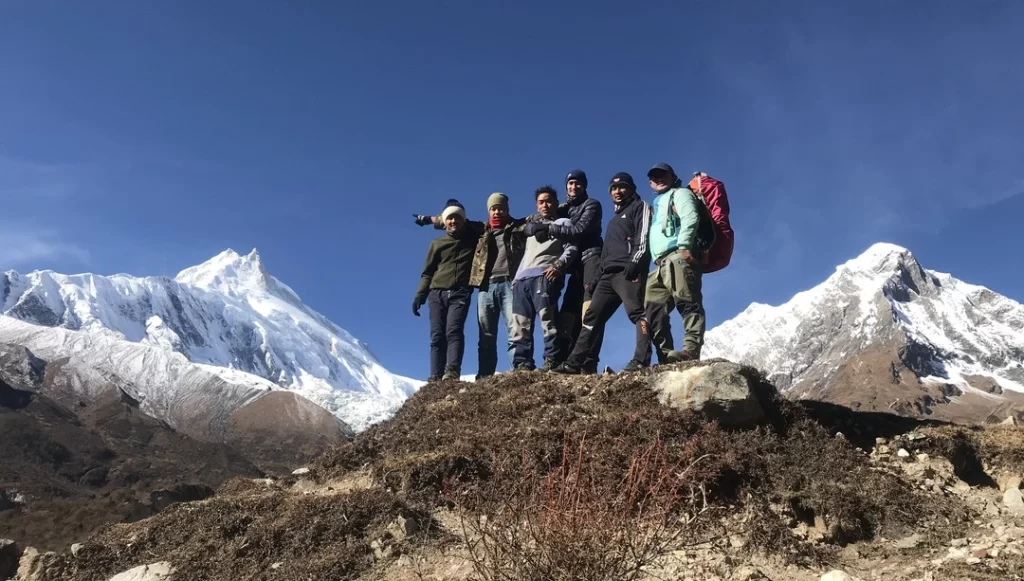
(1013, 500)
(719, 391)
(154, 572)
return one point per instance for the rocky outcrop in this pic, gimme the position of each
(721, 391)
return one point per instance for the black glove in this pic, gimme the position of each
(540, 230)
(632, 272)
(422, 220)
(416, 304)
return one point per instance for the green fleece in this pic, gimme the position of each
(674, 230)
(449, 261)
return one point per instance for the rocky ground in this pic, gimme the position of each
(698, 471)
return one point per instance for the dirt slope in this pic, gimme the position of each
(443, 489)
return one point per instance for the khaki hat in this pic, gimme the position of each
(497, 199)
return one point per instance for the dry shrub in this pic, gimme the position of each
(574, 523)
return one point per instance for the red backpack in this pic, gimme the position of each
(711, 192)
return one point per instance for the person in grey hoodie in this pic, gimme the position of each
(538, 283)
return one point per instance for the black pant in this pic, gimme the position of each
(448, 311)
(611, 291)
(570, 314)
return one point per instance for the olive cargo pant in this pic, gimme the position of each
(674, 285)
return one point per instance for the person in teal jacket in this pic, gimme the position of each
(678, 234)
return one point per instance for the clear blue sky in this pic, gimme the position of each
(147, 137)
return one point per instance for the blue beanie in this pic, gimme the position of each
(578, 175)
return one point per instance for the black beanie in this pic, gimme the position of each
(578, 175)
(621, 178)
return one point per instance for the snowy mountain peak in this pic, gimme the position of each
(228, 272)
(881, 258)
(942, 329)
(228, 314)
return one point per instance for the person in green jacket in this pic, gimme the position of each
(679, 232)
(500, 247)
(445, 284)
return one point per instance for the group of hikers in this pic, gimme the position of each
(521, 267)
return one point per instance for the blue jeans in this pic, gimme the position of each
(495, 300)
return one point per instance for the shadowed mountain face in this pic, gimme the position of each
(884, 333)
(79, 452)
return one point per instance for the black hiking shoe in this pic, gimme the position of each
(567, 368)
(680, 356)
(524, 366)
(633, 365)
(549, 364)
(450, 375)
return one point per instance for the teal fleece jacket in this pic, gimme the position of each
(674, 230)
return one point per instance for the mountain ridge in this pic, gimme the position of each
(227, 313)
(948, 339)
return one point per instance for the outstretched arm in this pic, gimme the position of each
(588, 223)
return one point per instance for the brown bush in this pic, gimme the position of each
(576, 523)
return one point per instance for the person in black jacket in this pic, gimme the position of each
(620, 280)
(585, 213)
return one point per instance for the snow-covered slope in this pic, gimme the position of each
(944, 330)
(227, 314)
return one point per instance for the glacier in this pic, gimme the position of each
(228, 315)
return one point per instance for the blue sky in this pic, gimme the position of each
(147, 137)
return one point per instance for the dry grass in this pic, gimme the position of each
(241, 536)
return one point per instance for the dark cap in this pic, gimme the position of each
(578, 175)
(661, 167)
(622, 178)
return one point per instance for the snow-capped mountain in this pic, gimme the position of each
(883, 332)
(227, 317)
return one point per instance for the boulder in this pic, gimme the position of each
(1013, 500)
(33, 564)
(153, 572)
(10, 553)
(720, 391)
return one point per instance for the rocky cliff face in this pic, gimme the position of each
(883, 332)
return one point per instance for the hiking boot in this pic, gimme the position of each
(567, 368)
(679, 356)
(450, 375)
(633, 365)
(433, 379)
(523, 366)
(549, 364)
